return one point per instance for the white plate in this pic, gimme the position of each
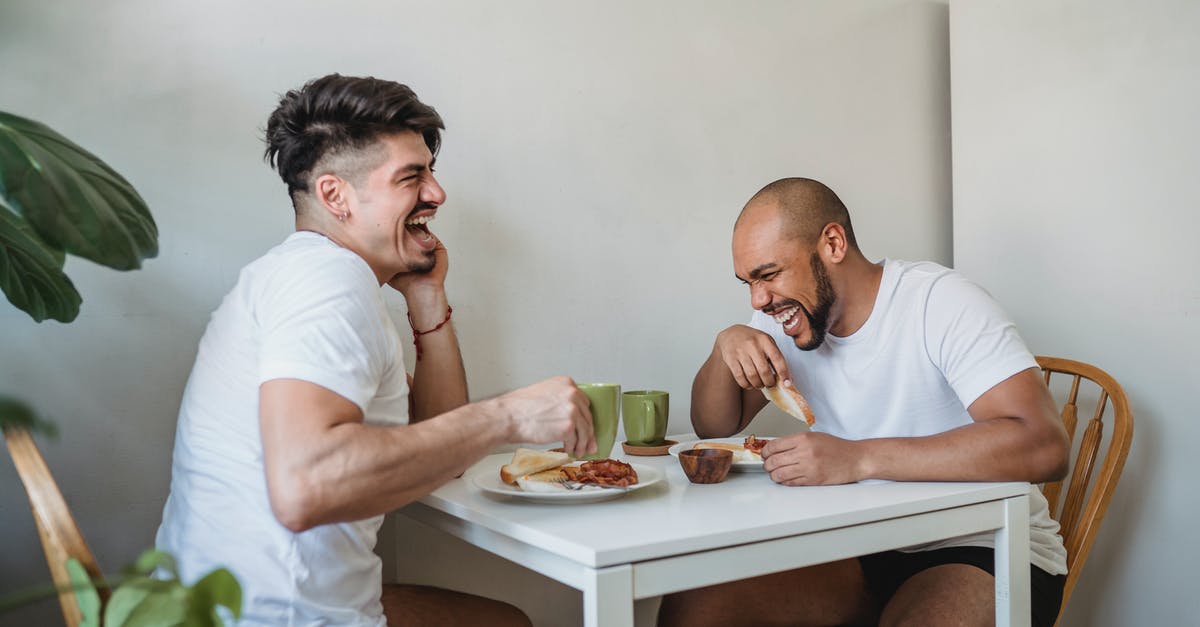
(737, 466)
(489, 481)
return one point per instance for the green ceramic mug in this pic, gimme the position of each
(605, 401)
(644, 414)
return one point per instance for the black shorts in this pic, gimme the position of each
(886, 572)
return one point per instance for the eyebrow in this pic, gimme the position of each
(759, 271)
(415, 168)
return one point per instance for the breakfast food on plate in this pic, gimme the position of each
(528, 461)
(607, 472)
(790, 400)
(750, 450)
(547, 471)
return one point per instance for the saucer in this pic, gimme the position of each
(648, 451)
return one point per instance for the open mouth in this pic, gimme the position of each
(788, 318)
(418, 227)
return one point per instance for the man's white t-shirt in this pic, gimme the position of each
(933, 344)
(307, 310)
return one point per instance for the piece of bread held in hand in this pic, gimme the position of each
(790, 400)
(527, 461)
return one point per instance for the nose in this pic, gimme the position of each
(759, 296)
(432, 192)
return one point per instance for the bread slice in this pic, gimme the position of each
(528, 461)
(790, 400)
(740, 453)
(544, 481)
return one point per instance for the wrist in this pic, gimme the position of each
(426, 307)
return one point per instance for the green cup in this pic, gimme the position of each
(644, 414)
(605, 401)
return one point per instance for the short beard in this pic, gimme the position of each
(818, 320)
(425, 265)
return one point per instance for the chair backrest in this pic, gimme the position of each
(59, 534)
(1084, 499)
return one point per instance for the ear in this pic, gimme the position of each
(333, 194)
(832, 244)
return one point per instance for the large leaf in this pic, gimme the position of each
(31, 271)
(216, 588)
(146, 602)
(74, 201)
(85, 593)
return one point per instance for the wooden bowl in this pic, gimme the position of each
(706, 465)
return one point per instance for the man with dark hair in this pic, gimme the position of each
(914, 374)
(300, 426)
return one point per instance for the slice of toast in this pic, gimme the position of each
(790, 400)
(528, 461)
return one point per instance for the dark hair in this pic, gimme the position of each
(335, 113)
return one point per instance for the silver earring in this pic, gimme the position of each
(342, 218)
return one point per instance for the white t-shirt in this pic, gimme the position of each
(933, 344)
(308, 310)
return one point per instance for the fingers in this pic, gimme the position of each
(753, 358)
(583, 433)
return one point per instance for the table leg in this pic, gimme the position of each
(1012, 565)
(608, 598)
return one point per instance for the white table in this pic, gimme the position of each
(677, 535)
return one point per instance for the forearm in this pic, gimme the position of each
(439, 382)
(356, 470)
(717, 400)
(999, 449)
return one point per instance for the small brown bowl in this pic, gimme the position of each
(706, 465)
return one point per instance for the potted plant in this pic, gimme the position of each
(57, 198)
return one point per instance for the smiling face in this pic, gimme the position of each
(389, 206)
(788, 280)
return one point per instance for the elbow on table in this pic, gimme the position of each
(1051, 460)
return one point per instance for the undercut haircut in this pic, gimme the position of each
(806, 206)
(333, 124)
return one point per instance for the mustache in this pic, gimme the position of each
(780, 306)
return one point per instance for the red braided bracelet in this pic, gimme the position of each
(417, 334)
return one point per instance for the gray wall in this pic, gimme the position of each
(1076, 197)
(596, 156)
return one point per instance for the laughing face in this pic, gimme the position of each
(390, 209)
(795, 291)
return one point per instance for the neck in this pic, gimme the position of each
(857, 285)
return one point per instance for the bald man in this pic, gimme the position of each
(914, 374)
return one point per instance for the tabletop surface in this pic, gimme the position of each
(676, 516)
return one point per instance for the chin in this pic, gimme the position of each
(424, 265)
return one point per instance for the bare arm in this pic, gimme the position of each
(725, 393)
(324, 465)
(1016, 436)
(439, 380)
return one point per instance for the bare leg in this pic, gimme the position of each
(407, 605)
(950, 594)
(826, 594)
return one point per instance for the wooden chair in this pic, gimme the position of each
(59, 534)
(1086, 501)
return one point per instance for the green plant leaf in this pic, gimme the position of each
(151, 560)
(85, 593)
(73, 200)
(219, 587)
(17, 415)
(31, 271)
(143, 601)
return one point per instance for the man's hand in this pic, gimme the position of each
(811, 458)
(550, 411)
(425, 293)
(751, 356)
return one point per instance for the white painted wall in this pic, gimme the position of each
(1077, 202)
(596, 156)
